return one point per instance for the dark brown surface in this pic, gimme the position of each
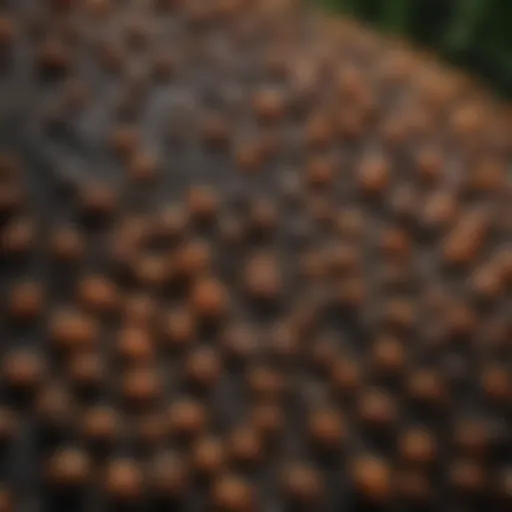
(251, 259)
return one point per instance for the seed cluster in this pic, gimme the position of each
(251, 259)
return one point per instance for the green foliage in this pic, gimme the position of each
(475, 34)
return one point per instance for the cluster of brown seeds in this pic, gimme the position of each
(251, 259)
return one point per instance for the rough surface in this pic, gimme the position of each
(251, 259)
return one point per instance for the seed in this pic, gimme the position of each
(68, 467)
(302, 484)
(169, 475)
(377, 408)
(67, 245)
(98, 293)
(100, 425)
(71, 330)
(26, 300)
(187, 418)
(208, 456)
(417, 446)
(141, 386)
(208, 299)
(23, 369)
(135, 345)
(203, 367)
(372, 478)
(18, 237)
(231, 493)
(123, 480)
(327, 428)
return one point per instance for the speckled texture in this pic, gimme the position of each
(271, 271)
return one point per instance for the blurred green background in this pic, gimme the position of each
(473, 34)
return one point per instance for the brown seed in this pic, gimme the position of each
(327, 428)
(216, 131)
(263, 216)
(377, 408)
(23, 369)
(164, 65)
(152, 270)
(187, 418)
(268, 105)
(373, 176)
(440, 210)
(319, 131)
(87, 370)
(135, 345)
(150, 430)
(429, 163)
(351, 223)
(68, 467)
(239, 342)
(388, 355)
(99, 8)
(262, 277)
(125, 141)
(265, 382)
(208, 456)
(372, 478)
(67, 245)
(141, 385)
(250, 156)
(54, 407)
(426, 386)
(417, 446)
(245, 445)
(12, 196)
(98, 200)
(70, 330)
(26, 300)
(471, 437)
(203, 367)
(344, 259)
(193, 259)
(8, 426)
(504, 484)
(98, 293)
(123, 480)
(139, 310)
(6, 500)
(209, 299)
(100, 424)
(267, 419)
(320, 172)
(111, 56)
(302, 484)
(7, 31)
(171, 222)
(169, 475)
(54, 56)
(464, 242)
(202, 203)
(467, 477)
(231, 493)
(486, 283)
(395, 244)
(345, 375)
(399, 314)
(323, 353)
(143, 167)
(18, 237)
(495, 382)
